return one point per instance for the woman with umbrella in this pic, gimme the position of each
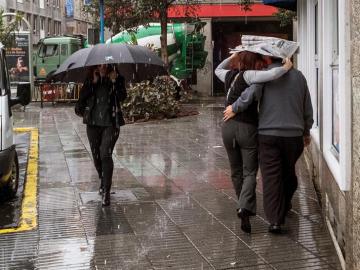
(99, 105)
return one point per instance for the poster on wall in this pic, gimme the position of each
(69, 8)
(17, 58)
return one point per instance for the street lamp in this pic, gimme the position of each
(101, 9)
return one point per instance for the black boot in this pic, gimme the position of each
(106, 198)
(244, 215)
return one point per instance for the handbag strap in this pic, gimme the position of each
(232, 86)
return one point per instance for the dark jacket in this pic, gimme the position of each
(249, 116)
(86, 100)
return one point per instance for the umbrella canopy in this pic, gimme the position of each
(134, 62)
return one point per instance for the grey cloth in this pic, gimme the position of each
(251, 76)
(240, 141)
(285, 105)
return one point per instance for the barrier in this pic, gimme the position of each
(56, 92)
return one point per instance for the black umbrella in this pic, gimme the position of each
(135, 63)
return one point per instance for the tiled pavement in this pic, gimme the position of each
(173, 206)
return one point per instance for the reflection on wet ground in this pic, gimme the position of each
(10, 208)
(173, 205)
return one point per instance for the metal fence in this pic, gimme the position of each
(56, 92)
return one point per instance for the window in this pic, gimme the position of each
(41, 4)
(74, 48)
(49, 26)
(48, 50)
(42, 23)
(317, 64)
(335, 80)
(64, 49)
(35, 24)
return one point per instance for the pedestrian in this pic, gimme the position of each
(99, 105)
(285, 120)
(239, 134)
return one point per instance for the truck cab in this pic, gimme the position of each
(9, 166)
(52, 52)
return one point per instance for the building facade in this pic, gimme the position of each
(45, 16)
(328, 32)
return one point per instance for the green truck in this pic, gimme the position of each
(52, 52)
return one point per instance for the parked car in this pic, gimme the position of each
(9, 165)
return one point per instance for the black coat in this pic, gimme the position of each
(86, 100)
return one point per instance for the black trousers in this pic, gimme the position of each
(102, 142)
(278, 156)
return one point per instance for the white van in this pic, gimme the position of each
(9, 166)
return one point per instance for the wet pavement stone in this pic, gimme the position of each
(173, 206)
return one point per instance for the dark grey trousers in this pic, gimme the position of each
(240, 141)
(102, 141)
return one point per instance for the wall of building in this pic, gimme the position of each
(324, 58)
(205, 75)
(354, 196)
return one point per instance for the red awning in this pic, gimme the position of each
(224, 10)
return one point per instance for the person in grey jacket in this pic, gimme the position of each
(240, 133)
(285, 120)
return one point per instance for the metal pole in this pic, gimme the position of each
(101, 7)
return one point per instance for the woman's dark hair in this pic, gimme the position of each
(111, 67)
(248, 60)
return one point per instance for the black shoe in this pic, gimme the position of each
(105, 198)
(244, 214)
(275, 228)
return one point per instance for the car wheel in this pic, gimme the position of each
(13, 182)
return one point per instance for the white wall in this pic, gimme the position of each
(205, 75)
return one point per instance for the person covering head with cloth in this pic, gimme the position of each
(239, 134)
(285, 120)
(99, 105)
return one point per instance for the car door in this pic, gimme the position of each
(6, 125)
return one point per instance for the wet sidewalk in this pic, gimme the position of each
(173, 205)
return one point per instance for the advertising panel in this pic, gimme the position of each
(17, 59)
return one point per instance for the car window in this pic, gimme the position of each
(51, 50)
(64, 49)
(42, 50)
(74, 48)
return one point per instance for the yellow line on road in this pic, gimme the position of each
(28, 219)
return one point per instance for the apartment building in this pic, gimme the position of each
(45, 16)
